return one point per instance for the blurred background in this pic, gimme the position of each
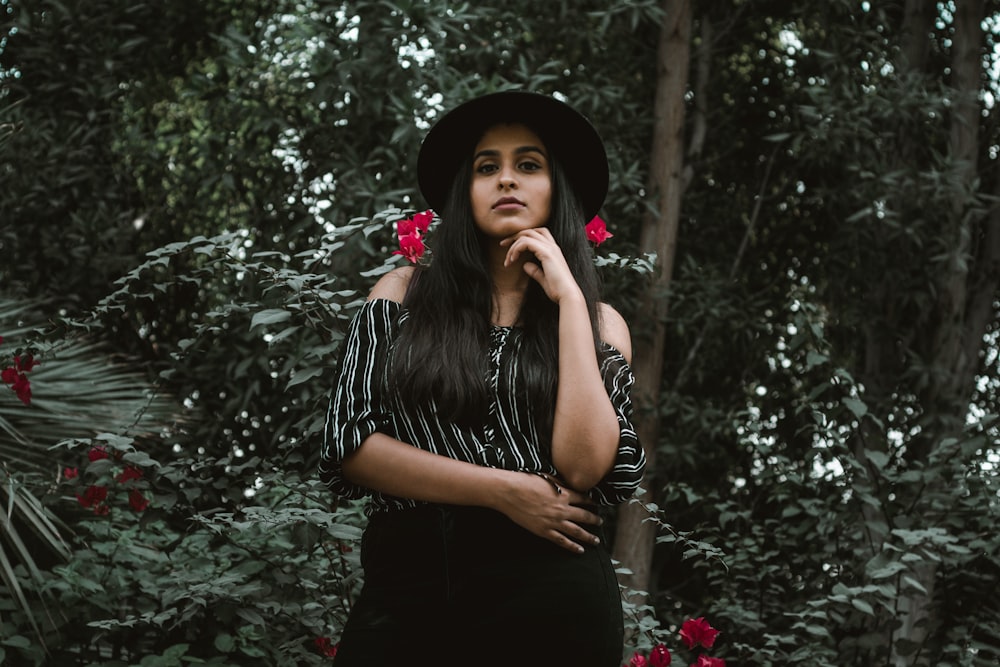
(195, 197)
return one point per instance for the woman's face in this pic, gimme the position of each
(511, 181)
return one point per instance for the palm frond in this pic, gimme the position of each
(80, 389)
(22, 508)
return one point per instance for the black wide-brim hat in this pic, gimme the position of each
(564, 131)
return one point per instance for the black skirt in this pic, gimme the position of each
(447, 585)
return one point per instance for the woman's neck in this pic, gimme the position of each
(509, 286)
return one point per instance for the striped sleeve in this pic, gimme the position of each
(619, 485)
(357, 406)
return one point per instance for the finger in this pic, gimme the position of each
(565, 542)
(514, 251)
(584, 516)
(531, 253)
(576, 498)
(532, 236)
(581, 535)
(534, 271)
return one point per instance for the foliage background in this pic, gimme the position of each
(197, 195)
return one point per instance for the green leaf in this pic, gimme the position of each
(814, 359)
(817, 630)
(16, 641)
(855, 405)
(303, 376)
(251, 616)
(907, 579)
(878, 458)
(862, 606)
(269, 316)
(225, 643)
(890, 570)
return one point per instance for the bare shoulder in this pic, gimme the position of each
(392, 286)
(615, 331)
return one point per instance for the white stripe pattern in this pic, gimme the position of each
(361, 404)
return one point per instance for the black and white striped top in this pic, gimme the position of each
(360, 404)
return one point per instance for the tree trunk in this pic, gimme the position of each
(949, 353)
(634, 537)
(965, 289)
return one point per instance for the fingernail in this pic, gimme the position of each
(597, 540)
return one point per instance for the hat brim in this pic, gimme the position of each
(564, 131)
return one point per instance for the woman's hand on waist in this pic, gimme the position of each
(542, 505)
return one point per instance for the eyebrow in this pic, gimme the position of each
(490, 152)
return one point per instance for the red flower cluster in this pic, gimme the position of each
(658, 657)
(95, 496)
(597, 231)
(410, 233)
(326, 648)
(706, 661)
(694, 632)
(137, 501)
(15, 378)
(697, 631)
(127, 475)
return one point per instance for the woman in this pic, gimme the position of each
(483, 404)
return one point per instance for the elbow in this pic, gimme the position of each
(584, 452)
(585, 470)
(582, 480)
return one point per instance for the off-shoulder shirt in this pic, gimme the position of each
(361, 403)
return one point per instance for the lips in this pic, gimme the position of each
(507, 201)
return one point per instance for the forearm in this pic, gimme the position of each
(385, 464)
(585, 428)
(389, 466)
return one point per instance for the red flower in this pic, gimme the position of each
(423, 220)
(97, 453)
(697, 631)
(130, 473)
(137, 500)
(326, 648)
(418, 224)
(659, 656)
(18, 381)
(597, 231)
(27, 365)
(23, 389)
(406, 228)
(638, 660)
(16, 378)
(71, 473)
(411, 247)
(705, 661)
(94, 496)
(410, 233)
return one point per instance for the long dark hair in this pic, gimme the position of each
(440, 359)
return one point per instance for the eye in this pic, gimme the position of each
(486, 168)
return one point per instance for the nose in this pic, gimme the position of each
(507, 179)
